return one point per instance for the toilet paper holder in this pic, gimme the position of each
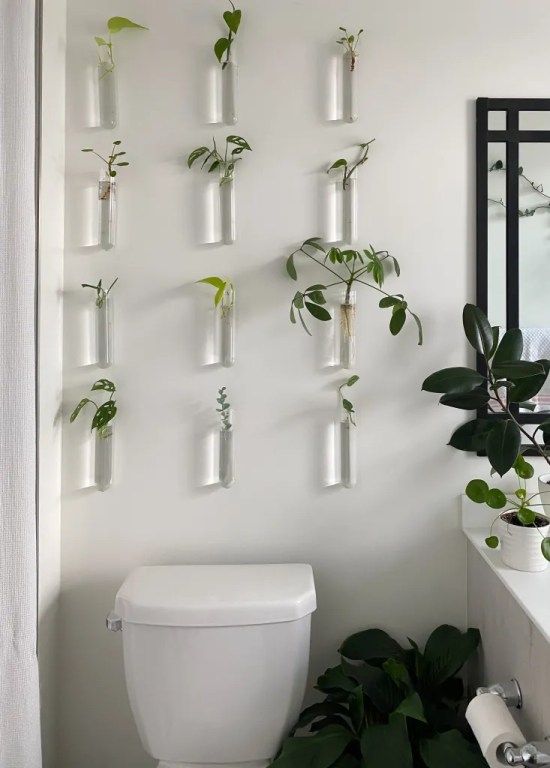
(509, 692)
(532, 753)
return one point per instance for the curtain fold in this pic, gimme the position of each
(19, 694)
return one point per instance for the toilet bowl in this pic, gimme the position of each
(216, 659)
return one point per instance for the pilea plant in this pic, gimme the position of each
(519, 510)
(105, 46)
(498, 165)
(386, 705)
(350, 268)
(222, 47)
(101, 293)
(225, 164)
(350, 43)
(112, 160)
(224, 409)
(349, 168)
(346, 404)
(222, 287)
(104, 413)
(505, 383)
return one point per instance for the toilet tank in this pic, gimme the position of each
(216, 657)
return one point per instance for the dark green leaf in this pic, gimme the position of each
(398, 672)
(377, 685)
(545, 548)
(496, 334)
(352, 380)
(335, 679)
(477, 491)
(477, 329)
(313, 242)
(341, 163)
(451, 750)
(412, 707)
(357, 708)
(517, 369)
(370, 644)
(104, 414)
(317, 297)
(526, 388)
(318, 751)
(78, 408)
(397, 321)
(290, 268)
(526, 516)
(320, 313)
(233, 20)
(321, 709)
(496, 499)
(389, 301)
(469, 401)
(446, 651)
(492, 542)
(220, 47)
(387, 745)
(503, 445)
(471, 436)
(103, 384)
(195, 154)
(453, 381)
(510, 347)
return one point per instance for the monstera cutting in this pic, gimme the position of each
(389, 706)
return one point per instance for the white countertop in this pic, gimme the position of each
(530, 590)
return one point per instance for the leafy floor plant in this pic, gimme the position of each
(225, 164)
(350, 43)
(388, 706)
(506, 383)
(105, 45)
(112, 160)
(222, 47)
(349, 268)
(104, 413)
(348, 167)
(101, 293)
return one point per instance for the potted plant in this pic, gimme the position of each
(103, 305)
(108, 112)
(347, 268)
(102, 425)
(107, 194)
(224, 303)
(349, 43)
(385, 705)
(224, 50)
(348, 182)
(225, 166)
(506, 382)
(227, 448)
(348, 426)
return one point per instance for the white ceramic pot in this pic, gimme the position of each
(544, 491)
(520, 546)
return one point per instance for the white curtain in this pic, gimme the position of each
(19, 695)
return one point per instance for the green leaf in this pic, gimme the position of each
(453, 381)
(216, 282)
(335, 679)
(389, 301)
(117, 23)
(233, 20)
(317, 297)
(357, 708)
(370, 644)
(104, 414)
(496, 499)
(104, 385)
(477, 491)
(320, 313)
(492, 542)
(313, 242)
(545, 548)
(398, 672)
(387, 745)
(526, 516)
(101, 41)
(451, 750)
(321, 709)
(195, 154)
(219, 295)
(347, 405)
(412, 707)
(526, 388)
(471, 436)
(503, 445)
(341, 163)
(419, 326)
(376, 684)
(496, 335)
(290, 267)
(518, 369)
(352, 380)
(318, 751)
(298, 300)
(510, 347)
(446, 651)
(78, 408)
(477, 329)
(469, 401)
(523, 468)
(220, 47)
(397, 321)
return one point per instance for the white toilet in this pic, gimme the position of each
(216, 659)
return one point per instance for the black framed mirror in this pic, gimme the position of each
(513, 228)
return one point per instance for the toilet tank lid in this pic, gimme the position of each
(216, 595)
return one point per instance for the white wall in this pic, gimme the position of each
(390, 552)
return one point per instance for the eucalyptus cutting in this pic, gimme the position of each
(224, 409)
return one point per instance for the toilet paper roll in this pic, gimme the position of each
(493, 725)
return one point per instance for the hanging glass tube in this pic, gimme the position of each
(349, 87)
(227, 209)
(229, 91)
(349, 210)
(107, 90)
(226, 310)
(227, 457)
(347, 329)
(104, 457)
(104, 332)
(107, 211)
(348, 453)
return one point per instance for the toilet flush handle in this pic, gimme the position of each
(113, 622)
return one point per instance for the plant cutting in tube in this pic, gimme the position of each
(348, 452)
(105, 44)
(506, 383)
(107, 194)
(347, 406)
(111, 161)
(349, 167)
(227, 459)
(104, 413)
(222, 47)
(103, 323)
(348, 170)
(350, 43)
(224, 53)
(349, 85)
(224, 302)
(224, 164)
(347, 268)
(101, 293)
